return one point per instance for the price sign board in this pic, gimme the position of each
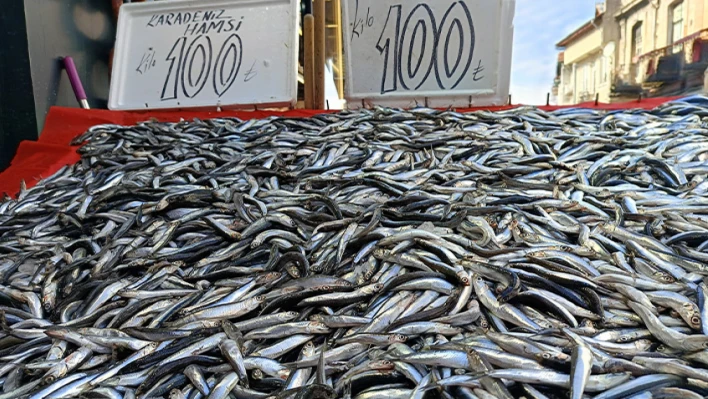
(439, 52)
(205, 54)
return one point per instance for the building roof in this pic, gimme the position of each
(630, 7)
(580, 32)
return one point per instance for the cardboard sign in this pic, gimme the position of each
(438, 52)
(205, 54)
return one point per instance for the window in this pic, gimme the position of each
(592, 77)
(637, 39)
(636, 51)
(676, 25)
(586, 76)
(602, 67)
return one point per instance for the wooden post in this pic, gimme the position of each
(115, 5)
(308, 34)
(548, 99)
(339, 47)
(319, 13)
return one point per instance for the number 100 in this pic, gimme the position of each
(417, 47)
(191, 69)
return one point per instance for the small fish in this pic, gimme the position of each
(370, 253)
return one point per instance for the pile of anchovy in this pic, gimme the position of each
(366, 254)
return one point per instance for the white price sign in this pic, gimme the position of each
(439, 52)
(205, 54)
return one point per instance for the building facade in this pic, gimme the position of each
(662, 47)
(635, 48)
(585, 69)
(579, 78)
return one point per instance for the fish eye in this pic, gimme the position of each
(546, 355)
(479, 279)
(260, 298)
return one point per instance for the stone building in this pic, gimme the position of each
(589, 53)
(635, 48)
(662, 47)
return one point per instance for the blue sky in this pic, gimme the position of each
(538, 26)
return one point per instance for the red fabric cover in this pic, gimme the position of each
(696, 51)
(35, 160)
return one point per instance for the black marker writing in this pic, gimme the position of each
(415, 46)
(390, 47)
(228, 60)
(151, 22)
(176, 66)
(250, 74)
(424, 20)
(477, 71)
(204, 28)
(191, 67)
(197, 62)
(147, 61)
(182, 18)
(361, 23)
